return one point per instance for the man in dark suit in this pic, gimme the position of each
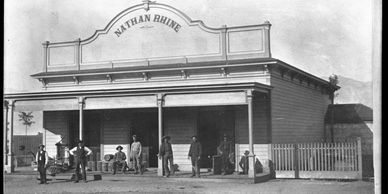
(165, 153)
(195, 155)
(42, 160)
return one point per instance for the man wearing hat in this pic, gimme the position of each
(244, 162)
(224, 149)
(195, 155)
(42, 160)
(136, 153)
(80, 154)
(119, 159)
(165, 153)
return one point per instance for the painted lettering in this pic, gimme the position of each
(156, 18)
(147, 18)
(177, 27)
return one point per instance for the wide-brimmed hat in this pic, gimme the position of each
(119, 147)
(166, 137)
(41, 145)
(194, 136)
(134, 136)
(246, 152)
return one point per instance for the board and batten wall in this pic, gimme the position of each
(298, 110)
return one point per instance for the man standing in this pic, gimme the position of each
(224, 149)
(119, 158)
(165, 152)
(244, 162)
(195, 154)
(136, 153)
(80, 153)
(42, 160)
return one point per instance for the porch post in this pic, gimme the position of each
(251, 171)
(160, 130)
(5, 120)
(9, 167)
(81, 101)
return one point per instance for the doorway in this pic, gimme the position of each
(213, 123)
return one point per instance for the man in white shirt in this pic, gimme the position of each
(136, 155)
(42, 160)
(80, 154)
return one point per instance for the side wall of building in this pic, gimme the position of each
(298, 110)
(56, 125)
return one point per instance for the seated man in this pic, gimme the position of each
(119, 159)
(244, 163)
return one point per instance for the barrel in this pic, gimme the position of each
(92, 165)
(108, 157)
(99, 166)
(110, 165)
(105, 166)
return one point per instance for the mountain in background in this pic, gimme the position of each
(353, 91)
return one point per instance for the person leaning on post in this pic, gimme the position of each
(166, 154)
(42, 160)
(195, 155)
(80, 153)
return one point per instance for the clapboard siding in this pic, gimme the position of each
(298, 110)
(180, 124)
(260, 122)
(180, 156)
(116, 129)
(56, 125)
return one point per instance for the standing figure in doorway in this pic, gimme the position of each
(195, 155)
(80, 154)
(165, 153)
(136, 153)
(42, 160)
(119, 159)
(224, 149)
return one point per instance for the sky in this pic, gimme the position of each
(321, 37)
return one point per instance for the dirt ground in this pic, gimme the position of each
(28, 184)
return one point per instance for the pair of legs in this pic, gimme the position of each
(137, 164)
(166, 159)
(42, 172)
(80, 164)
(119, 163)
(225, 163)
(244, 166)
(195, 166)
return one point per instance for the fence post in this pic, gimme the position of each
(359, 150)
(296, 162)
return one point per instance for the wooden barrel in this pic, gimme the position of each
(110, 165)
(105, 166)
(99, 166)
(92, 165)
(108, 157)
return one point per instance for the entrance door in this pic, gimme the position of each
(212, 125)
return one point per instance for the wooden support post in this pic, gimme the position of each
(81, 101)
(252, 170)
(160, 130)
(359, 150)
(9, 167)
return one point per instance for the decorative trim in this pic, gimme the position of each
(146, 76)
(184, 74)
(109, 78)
(76, 80)
(224, 71)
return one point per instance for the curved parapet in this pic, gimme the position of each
(154, 34)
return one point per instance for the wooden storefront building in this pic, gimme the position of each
(153, 71)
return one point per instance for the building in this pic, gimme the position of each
(153, 71)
